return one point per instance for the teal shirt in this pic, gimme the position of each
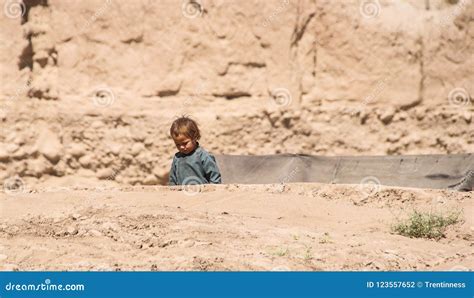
(197, 167)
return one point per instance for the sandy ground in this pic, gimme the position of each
(229, 227)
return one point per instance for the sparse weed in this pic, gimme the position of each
(426, 224)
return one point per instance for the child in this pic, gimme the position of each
(192, 164)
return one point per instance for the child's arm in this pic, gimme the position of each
(173, 180)
(211, 169)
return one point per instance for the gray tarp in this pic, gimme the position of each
(423, 171)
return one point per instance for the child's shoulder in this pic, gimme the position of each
(200, 150)
(205, 155)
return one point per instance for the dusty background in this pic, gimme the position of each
(89, 89)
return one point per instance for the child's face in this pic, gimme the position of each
(184, 144)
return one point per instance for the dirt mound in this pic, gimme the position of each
(229, 227)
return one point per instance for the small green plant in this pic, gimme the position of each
(426, 224)
(308, 256)
(282, 252)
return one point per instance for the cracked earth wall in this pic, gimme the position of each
(90, 88)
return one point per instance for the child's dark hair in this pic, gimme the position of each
(185, 126)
